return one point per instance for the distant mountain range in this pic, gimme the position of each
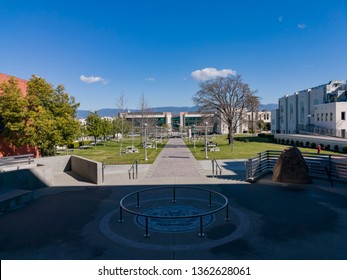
(108, 112)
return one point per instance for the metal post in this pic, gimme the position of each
(120, 215)
(213, 168)
(201, 234)
(147, 234)
(210, 199)
(174, 195)
(136, 166)
(146, 142)
(227, 213)
(206, 155)
(246, 168)
(103, 172)
(137, 200)
(156, 127)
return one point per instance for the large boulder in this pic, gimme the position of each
(291, 168)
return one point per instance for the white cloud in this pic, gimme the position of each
(280, 18)
(302, 26)
(150, 79)
(92, 79)
(211, 73)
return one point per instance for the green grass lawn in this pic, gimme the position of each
(110, 152)
(242, 150)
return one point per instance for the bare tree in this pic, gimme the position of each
(229, 97)
(143, 109)
(121, 104)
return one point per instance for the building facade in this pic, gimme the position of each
(7, 148)
(184, 121)
(318, 110)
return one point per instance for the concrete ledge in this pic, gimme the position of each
(57, 163)
(29, 177)
(89, 169)
(332, 141)
(12, 198)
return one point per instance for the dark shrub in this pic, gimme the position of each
(292, 142)
(297, 143)
(336, 148)
(70, 146)
(327, 147)
(313, 145)
(282, 141)
(301, 144)
(322, 146)
(287, 142)
(344, 149)
(308, 144)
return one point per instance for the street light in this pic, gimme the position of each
(206, 156)
(156, 139)
(194, 138)
(145, 141)
(132, 133)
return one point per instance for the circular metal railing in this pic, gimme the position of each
(135, 198)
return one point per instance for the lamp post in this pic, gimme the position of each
(156, 140)
(206, 156)
(194, 138)
(145, 141)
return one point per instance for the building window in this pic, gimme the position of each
(317, 117)
(302, 112)
(343, 116)
(322, 117)
(331, 116)
(315, 102)
(291, 111)
(326, 117)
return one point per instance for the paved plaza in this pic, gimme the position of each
(79, 220)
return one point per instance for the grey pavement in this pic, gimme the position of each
(267, 220)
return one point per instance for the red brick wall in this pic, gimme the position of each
(22, 84)
(7, 149)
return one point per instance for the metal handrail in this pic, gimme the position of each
(122, 207)
(133, 171)
(216, 168)
(320, 165)
(17, 159)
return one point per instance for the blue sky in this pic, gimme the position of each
(164, 49)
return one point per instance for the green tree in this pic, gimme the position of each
(52, 116)
(94, 126)
(13, 113)
(106, 128)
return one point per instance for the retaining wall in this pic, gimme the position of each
(89, 169)
(27, 177)
(332, 141)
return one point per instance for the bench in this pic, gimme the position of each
(214, 149)
(12, 198)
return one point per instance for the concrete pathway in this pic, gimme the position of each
(175, 160)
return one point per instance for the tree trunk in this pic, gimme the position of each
(232, 140)
(229, 135)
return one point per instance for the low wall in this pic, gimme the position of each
(332, 141)
(89, 169)
(28, 177)
(40, 173)
(57, 163)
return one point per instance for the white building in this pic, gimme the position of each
(246, 123)
(318, 110)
